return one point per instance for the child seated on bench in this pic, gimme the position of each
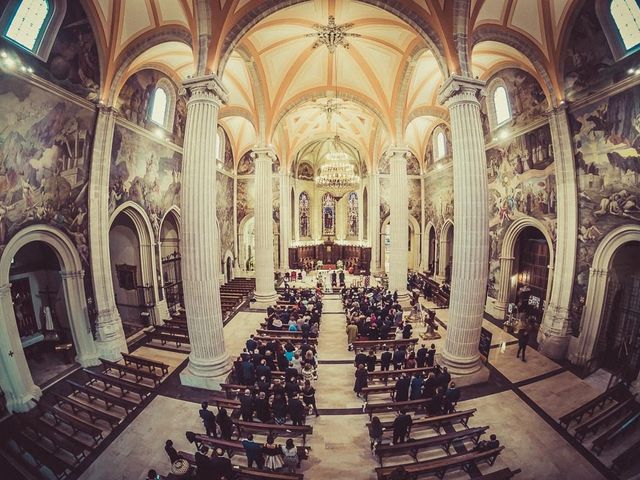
(485, 445)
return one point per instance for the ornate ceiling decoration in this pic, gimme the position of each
(332, 35)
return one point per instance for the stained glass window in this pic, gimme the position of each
(158, 113)
(303, 213)
(501, 105)
(626, 14)
(352, 214)
(328, 214)
(28, 23)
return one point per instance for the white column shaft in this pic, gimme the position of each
(374, 221)
(285, 218)
(399, 223)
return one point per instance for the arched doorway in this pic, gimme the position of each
(229, 269)
(170, 258)
(610, 333)
(132, 267)
(431, 249)
(445, 253)
(413, 247)
(247, 242)
(50, 262)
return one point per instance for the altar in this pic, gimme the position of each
(355, 257)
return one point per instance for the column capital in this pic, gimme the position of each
(559, 109)
(205, 88)
(105, 109)
(399, 152)
(264, 152)
(460, 89)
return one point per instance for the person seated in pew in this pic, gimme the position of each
(263, 384)
(171, 451)
(253, 451)
(484, 445)
(401, 426)
(451, 398)
(401, 391)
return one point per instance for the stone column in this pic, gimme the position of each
(504, 285)
(471, 219)
(555, 331)
(443, 258)
(424, 243)
(15, 376)
(265, 292)
(109, 332)
(399, 223)
(285, 218)
(374, 221)
(208, 362)
(75, 299)
(237, 267)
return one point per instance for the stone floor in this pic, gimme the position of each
(523, 414)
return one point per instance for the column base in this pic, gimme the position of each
(462, 366)
(161, 312)
(464, 380)
(26, 401)
(404, 299)
(88, 360)
(264, 300)
(552, 345)
(110, 339)
(210, 375)
(495, 308)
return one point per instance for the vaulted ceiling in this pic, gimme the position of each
(385, 83)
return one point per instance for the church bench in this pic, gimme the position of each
(625, 459)
(228, 403)
(76, 423)
(175, 323)
(590, 406)
(145, 362)
(593, 424)
(502, 474)
(235, 446)
(42, 456)
(57, 438)
(110, 400)
(377, 389)
(435, 422)
(386, 374)
(173, 330)
(440, 466)
(123, 370)
(408, 405)
(124, 386)
(179, 340)
(246, 472)
(233, 390)
(273, 332)
(285, 338)
(377, 344)
(93, 413)
(618, 428)
(284, 430)
(413, 447)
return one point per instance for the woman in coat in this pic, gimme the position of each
(361, 379)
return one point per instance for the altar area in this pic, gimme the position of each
(326, 255)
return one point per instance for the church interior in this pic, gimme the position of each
(287, 239)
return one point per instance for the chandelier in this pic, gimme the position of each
(337, 176)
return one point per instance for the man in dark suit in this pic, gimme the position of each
(296, 410)
(402, 388)
(421, 356)
(385, 358)
(221, 465)
(253, 451)
(451, 398)
(431, 355)
(246, 406)
(523, 340)
(401, 427)
(208, 420)
(398, 358)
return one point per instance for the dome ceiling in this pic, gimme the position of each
(387, 79)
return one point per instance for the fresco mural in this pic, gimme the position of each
(429, 154)
(521, 176)
(415, 198)
(438, 187)
(134, 98)
(73, 62)
(413, 165)
(384, 165)
(305, 172)
(606, 140)
(527, 100)
(385, 195)
(45, 151)
(224, 211)
(246, 197)
(228, 154)
(246, 165)
(144, 171)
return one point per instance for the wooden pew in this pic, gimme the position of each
(124, 386)
(123, 370)
(145, 362)
(386, 407)
(76, 423)
(285, 338)
(246, 472)
(436, 422)
(413, 447)
(284, 430)
(93, 413)
(42, 456)
(227, 403)
(57, 439)
(173, 330)
(377, 344)
(590, 406)
(110, 400)
(179, 340)
(378, 389)
(386, 374)
(502, 474)
(594, 423)
(618, 428)
(440, 466)
(627, 458)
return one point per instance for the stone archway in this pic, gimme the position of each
(445, 252)
(599, 273)
(169, 259)
(15, 377)
(430, 250)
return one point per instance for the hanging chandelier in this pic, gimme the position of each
(337, 176)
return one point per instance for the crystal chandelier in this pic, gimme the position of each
(337, 176)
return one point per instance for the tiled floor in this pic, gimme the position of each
(522, 416)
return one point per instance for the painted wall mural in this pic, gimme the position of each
(521, 176)
(606, 138)
(134, 98)
(413, 165)
(438, 186)
(45, 151)
(224, 211)
(144, 171)
(415, 198)
(527, 100)
(384, 165)
(246, 197)
(228, 154)
(305, 172)
(385, 195)
(246, 166)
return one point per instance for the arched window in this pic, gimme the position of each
(158, 111)
(501, 105)
(303, 215)
(220, 146)
(328, 214)
(626, 15)
(441, 145)
(352, 215)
